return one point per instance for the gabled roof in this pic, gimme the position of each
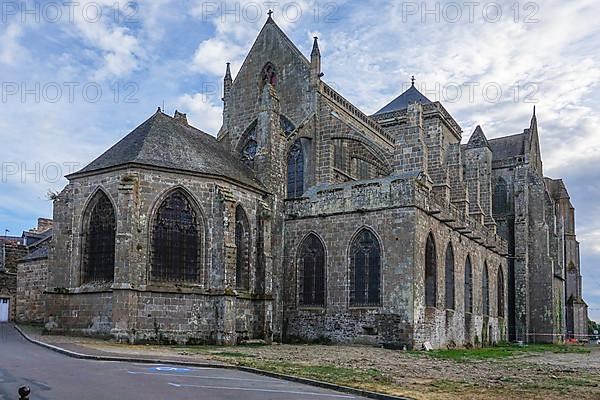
(478, 139)
(163, 141)
(509, 146)
(411, 95)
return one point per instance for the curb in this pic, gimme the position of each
(306, 381)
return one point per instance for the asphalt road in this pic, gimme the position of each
(54, 376)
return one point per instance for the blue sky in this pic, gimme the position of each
(489, 63)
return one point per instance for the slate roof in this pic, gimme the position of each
(40, 252)
(509, 146)
(163, 141)
(411, 95)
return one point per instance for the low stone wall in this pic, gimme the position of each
(32, 277)
(353, 326)
(84, 313)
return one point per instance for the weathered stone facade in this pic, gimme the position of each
(11, 250)
(534, 214)
(32, 280)
(305, 219)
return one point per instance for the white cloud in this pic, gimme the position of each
(212, 54)
(201, 112)
(11, 50)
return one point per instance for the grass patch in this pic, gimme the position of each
(502, 351)
(235, 354)
(326, 373)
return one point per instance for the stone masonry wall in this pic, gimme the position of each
(121, 307)
(32, 278)
(399, 211)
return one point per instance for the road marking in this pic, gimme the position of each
(172, 369)
(199, 376)
(263, 390)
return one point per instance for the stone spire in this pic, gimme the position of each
(227, 82)
(315, 62)
(535, 157)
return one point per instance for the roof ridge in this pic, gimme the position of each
(163, 141)
(410, 95)
(506, 136)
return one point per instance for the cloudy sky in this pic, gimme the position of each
(75, 79)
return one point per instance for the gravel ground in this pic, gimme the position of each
(530, 375)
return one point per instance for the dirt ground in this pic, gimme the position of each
(428, 376)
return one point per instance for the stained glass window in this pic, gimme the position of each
(100, 231)
(312, 272)
(242, 243)
(176, 240)
(468, 286)
(365, 270)
(485, 291)
(295, 178)
(449, 272)
(499, 198)
(430, 273)
(250, 147)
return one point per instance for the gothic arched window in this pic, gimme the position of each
(248, 152)
(485, 291)
(99, 240)
(295, 173)
(365, 270)
(311, 271)
(499, 198)
(468, 286)
(449, 272)
(268, 74)
(242, 243)
(500, 292)
(176, 240)
(430, 272)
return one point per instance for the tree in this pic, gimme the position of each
(593, 326)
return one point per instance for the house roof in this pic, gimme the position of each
(40, 252)
(163, 141)
(411, 95)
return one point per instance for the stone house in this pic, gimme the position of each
(303, 220)
(11, 250)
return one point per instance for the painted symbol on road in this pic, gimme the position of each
(170, 369)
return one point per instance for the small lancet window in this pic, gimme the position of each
(295, 177)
